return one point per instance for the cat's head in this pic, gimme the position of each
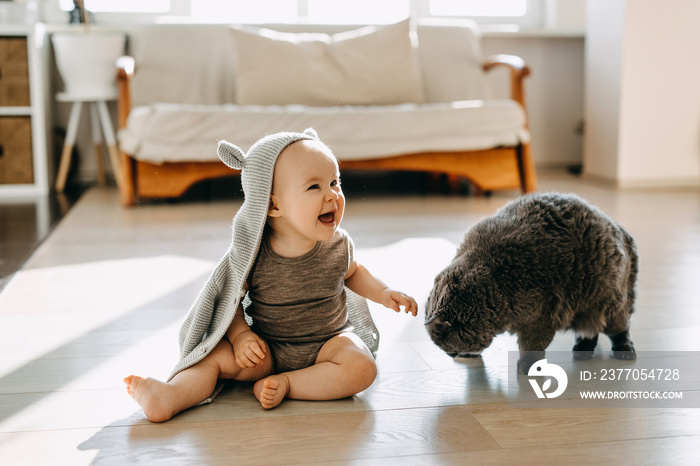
(457, 317)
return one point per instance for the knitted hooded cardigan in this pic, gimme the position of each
(215, 307)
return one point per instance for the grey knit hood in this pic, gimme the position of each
(214, 309)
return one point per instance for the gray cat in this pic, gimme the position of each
(542, 263)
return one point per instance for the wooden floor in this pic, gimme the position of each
(103, 297)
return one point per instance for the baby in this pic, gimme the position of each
(301, 343)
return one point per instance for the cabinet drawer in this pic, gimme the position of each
(16, 164)
(14, 72)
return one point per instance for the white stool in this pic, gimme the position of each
(101, 125)
(86, 62)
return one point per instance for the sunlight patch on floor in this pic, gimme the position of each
(80, 306)
(104, 288)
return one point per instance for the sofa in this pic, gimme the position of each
(407, 96)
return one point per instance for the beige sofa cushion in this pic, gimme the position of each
(183, 63)
(368, 66)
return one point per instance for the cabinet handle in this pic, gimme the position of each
(2, 151)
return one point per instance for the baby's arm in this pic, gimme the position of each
(248, 349)
(362, 282)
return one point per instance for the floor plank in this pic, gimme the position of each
(668, 450)
(513, 427)
(318, 438)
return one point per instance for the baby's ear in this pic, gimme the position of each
(311, 132)
(272, 209)
(231, 155)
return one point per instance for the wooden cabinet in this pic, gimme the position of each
(16, 162)
(14, 72)
(23, 161)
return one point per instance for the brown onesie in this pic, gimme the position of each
(298, 303)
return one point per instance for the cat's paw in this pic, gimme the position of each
(584, 348)
(582, 355)
(524, 365)
(624, 351)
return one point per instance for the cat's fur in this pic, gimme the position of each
(542, 263)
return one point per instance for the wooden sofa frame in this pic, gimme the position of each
(493, 169)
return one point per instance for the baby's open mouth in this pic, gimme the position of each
(328, 217)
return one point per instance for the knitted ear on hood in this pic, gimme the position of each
(311, 132)
(231, 155)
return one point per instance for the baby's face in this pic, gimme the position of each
(306, 194)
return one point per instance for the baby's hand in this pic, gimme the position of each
(395, 300)
(248, 349)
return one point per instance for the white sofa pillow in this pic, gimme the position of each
(367, 66)
(183, 63)
(450, 57)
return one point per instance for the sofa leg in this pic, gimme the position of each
(127, 187)
(526, 166)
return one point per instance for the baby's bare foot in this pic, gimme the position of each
(151, 395)
(271, 390)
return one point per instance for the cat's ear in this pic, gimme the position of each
(438, 321)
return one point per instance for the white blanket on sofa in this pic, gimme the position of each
(175, 132)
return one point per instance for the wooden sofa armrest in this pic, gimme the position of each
(518, 72)
(125, 73)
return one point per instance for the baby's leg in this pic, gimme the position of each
(161, 401)
(344, 367)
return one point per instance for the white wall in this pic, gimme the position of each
(603, 55)
(642, 93)
(565, 15)
(553, 92)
